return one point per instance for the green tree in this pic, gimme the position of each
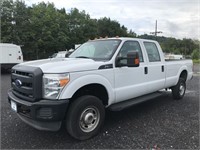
(81, 27)
(110, 28)
(7, 21)
(187, 46)
(196, 54)
(132, 34)
(42, 29)
(21, 22)
(49, 33)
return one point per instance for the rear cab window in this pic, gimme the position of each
(152, 52)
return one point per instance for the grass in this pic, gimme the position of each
(196, 61)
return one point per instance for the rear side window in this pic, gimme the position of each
(152, 51)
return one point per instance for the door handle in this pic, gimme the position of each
(162, 68)
(145, 70)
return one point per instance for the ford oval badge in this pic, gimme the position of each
(18, 83)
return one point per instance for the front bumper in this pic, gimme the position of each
(43, 114)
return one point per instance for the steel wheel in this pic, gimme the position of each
(89, 119)
(178, 91)
(181, 89)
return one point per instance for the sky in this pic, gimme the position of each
(175, 18)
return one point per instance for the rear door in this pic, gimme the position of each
(156, 68)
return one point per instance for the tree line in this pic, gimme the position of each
(42, 29)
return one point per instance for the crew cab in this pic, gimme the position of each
(112, 73)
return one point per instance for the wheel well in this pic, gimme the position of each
(183, 75)
(97, 90)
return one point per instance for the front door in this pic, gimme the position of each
(130, 81)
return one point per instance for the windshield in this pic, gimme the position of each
(97, 50)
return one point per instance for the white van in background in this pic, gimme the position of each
(10, 55)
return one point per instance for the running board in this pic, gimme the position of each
(128, 103)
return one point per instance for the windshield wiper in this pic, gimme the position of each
(83, 57)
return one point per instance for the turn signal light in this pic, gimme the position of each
(137, 61)
(63, 82)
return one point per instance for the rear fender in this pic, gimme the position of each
(179, 73)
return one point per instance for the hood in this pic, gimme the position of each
(61, 65)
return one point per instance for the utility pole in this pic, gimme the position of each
(156, 30)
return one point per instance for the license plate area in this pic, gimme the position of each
(13, 106)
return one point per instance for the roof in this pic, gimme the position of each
(8, 45)
(125, 39)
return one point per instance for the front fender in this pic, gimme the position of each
(75, 85)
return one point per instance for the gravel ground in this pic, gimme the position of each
(164, 122)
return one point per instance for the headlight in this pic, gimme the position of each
(53, 84)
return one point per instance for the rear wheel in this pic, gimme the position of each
(85, 117)
(178, 91)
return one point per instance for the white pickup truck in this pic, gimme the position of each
(112, 73)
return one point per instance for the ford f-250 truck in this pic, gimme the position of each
(110, 73)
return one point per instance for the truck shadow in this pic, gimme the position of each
(139, 111)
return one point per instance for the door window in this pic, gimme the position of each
(131, 46)
(152, 51)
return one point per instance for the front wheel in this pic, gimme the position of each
(85, 117)
(178, 91)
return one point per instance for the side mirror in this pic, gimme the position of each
(133, 59)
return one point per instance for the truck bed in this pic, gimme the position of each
(173, 68)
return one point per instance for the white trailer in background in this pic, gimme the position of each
(10, 55)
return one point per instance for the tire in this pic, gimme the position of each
(85, 117)
(178, 91)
